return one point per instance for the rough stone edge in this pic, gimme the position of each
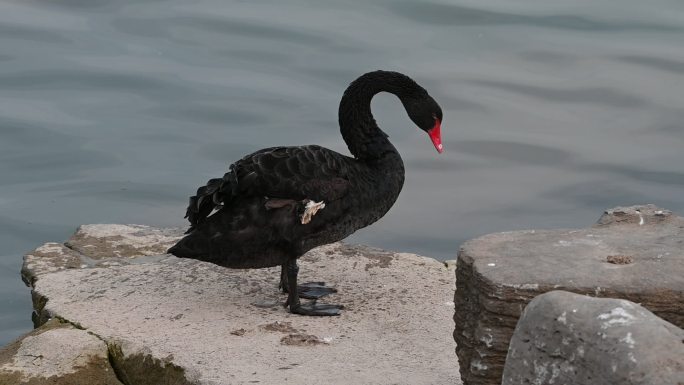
(131, 368)
(15, 378)
(127, 367)
(648, 214)
(469, 315)
(139, 368)
(116, 241)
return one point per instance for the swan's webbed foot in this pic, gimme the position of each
(312, 290)
(315, 309)
(309, 290)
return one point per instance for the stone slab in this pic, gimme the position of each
(58, 354)
(635, 253)
(566, 338)
(189, 322)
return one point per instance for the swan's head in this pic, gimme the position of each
(427, 115)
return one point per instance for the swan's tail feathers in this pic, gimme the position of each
(193, 245)
(213, 196)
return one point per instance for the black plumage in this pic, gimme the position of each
(253, 217)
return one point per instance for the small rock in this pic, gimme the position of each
(282, 327)
(619, 259)
(301, 340)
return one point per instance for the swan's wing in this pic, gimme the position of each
(305, 172)
(293, 173)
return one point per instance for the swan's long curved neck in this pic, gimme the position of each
(366, 141)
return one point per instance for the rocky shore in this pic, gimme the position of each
(592, 306)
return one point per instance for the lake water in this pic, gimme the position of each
(115, 111)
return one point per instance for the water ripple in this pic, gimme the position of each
(523, 153)
(663, 64)
(636, 174)
(593, 95)
(548, 57)
(79, 79)
(31, 153)
(217, 114)
(255, 29)
(73, 5)
(33, 34)
(601, 194)
(433, 13)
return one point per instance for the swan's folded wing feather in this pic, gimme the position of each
(305, 172)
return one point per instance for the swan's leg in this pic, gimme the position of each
(283, 278)
(296, 307)
(308, 290)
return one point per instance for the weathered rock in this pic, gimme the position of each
(59, 354)
(633, 253)
(565, 338)
(171, 320)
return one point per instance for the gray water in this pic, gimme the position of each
(114, 111)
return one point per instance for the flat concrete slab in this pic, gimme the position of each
(634, 253)
(186, 321)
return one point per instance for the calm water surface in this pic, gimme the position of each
(114, 111)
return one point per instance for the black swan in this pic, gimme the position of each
(276, 204)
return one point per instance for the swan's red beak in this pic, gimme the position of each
(436, 135)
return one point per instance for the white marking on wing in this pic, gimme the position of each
(310, 210)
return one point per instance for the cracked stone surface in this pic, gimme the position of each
(634, 253)
(59, 354)
(190, 322)
(566, 338)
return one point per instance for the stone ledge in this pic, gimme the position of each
(191, 322)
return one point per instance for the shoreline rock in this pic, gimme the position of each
(633, 253)
(187, 321)
(566, 338)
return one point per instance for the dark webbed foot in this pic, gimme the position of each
(308, 290)
(314, 290)
(316, 309)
